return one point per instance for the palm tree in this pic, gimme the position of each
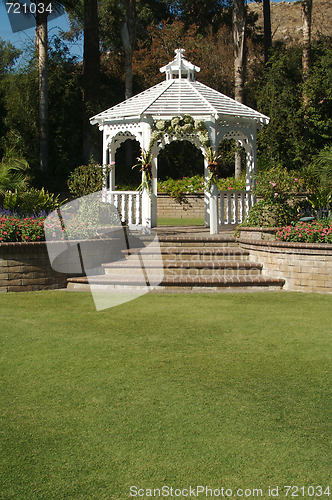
(128, 36)
(306, 25)
(306, 49)
(13, 173)
(91, 71)
(41, 46)
(239, 39)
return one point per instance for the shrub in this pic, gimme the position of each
(266, 214)
(278, 189)
(13, 173)
(88, 179)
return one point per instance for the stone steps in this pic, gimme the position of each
(180, 263)
(184, 268)
(194, 253)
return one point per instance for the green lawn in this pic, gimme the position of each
(180, 222)
(220, 390)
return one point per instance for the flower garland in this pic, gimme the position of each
(178, 127)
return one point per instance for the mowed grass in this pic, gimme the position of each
(169, 221)
(219, 390)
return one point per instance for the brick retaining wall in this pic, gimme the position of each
(306, 267)
(26, 266)
(191, 207)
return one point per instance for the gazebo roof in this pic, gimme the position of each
(179, 95)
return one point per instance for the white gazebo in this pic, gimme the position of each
(179, 95)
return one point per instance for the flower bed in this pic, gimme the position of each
(178, 188)
(14, 228)
(307, 232)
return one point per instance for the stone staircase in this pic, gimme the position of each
(185, 263)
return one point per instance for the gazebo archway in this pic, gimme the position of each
(178, 96)
(180, 159)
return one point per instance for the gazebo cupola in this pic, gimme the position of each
(180, 68)
(178, 95)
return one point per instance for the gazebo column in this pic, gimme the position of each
(250, 174)
(112, 171)
(206, 196)
(146, 196)
(214, 223)
(154, 192)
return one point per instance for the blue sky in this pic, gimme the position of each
(21, 38)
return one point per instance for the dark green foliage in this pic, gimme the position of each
(180, 159)
(279, 96)
(20, 90)
(125, 158)
(319, 91)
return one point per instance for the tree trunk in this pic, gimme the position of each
(239, 39)
(267, 29)
(91, 72)
(306, 24)
(128, 36)
(41, 43)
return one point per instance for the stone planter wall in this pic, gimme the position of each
(192, 207)
(26, 266)
(257, 233)
(306, 267)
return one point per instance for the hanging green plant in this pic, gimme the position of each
(144, 161)
(212, 159)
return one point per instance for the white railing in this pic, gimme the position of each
(234, 206)
(129, 205)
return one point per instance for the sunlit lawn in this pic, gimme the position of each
(180, 222)
(220, 390)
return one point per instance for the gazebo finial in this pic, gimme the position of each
(180, 67)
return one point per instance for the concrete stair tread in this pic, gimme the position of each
(185, 250)
(179, 264)
(183, 280)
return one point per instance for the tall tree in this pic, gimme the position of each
(41, 45)
(128, 36)
(306, 25)
(239, 39)
(306, 49)
(91, 71)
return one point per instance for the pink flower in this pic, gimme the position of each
(5, 232)
(275, 194)
(273, 183)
